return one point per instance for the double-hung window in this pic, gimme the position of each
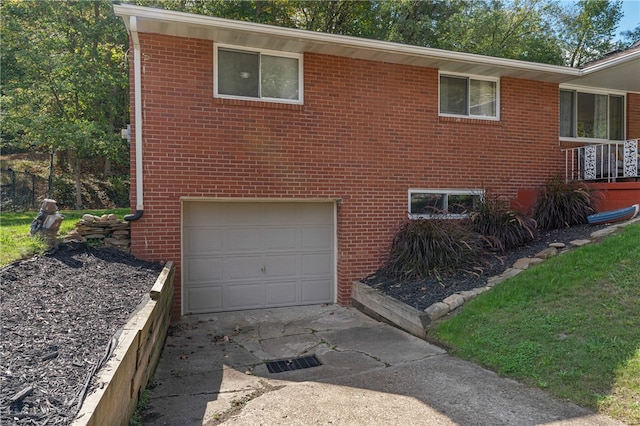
(445, 204)
(475, 97)
(591, 115)
(258, 75)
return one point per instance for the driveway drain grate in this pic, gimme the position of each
(293, 364)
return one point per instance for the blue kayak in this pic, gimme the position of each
(612, 216)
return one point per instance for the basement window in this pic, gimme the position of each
(443, 204)
(258, 75)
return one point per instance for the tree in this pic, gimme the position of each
(348, 17)
(422, 23)
(64, 80)
(518, 29)
(587, 29)
(630, 37)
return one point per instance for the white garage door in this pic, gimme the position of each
(246, 255)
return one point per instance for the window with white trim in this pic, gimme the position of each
(434, 203)
(466, 96)
(591, 115)
(258, 75)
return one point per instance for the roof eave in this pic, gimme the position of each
(296, 40)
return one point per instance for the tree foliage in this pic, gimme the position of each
(64, 79)
(588, 29)
(630, 37)
(64, 70)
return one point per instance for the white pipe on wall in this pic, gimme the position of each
(137, 84)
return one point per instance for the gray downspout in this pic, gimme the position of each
(137, 78)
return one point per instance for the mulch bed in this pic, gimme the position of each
(60, 312)
(59, 315)
(423, 293)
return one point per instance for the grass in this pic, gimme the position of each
(569, 325)
(16, 242)
(143, 404)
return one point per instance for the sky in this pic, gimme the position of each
(631, 18)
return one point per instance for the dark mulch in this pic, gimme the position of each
(59, 313)
(423, 293)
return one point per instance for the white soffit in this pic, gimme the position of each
(620, 73)
(249, 34)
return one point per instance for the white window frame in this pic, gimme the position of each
(276, 53)
(592, 91)
(445, 192)
(470, 77)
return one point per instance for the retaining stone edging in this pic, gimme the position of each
(381, 306)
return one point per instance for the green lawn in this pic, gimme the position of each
(16, 242)
(570, 325)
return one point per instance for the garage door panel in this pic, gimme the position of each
(317, 237)
(316, 264)
(247, 255)
(316, 212)
(245, 296)
(315, 291)
(245, 213)
(281, 293)
(281, 238)
(281, 265)
(202, 213)
(203, 240)
(204, 299)
(243, 239)
(244, 268)
(203, 269)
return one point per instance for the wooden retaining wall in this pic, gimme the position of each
(125, 375)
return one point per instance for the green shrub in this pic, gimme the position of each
(504, 228)
(561, 204)
(422, 247)
(118, 190)
(64, 191)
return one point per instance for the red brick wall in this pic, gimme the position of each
(367, 132)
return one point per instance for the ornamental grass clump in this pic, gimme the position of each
(561, 204)
(504, 228)
(423, 247)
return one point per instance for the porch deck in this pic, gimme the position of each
(612, 168)
(606, 162)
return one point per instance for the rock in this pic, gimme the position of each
(94, 236)
(510, 272)
(112, 217)
(497, 279)
(88, 219)
(547, 253)
(525, 262)
(579, 243)
(604, 232)
(558, 245)
(468, 295)
(454, 301)
(437, 310)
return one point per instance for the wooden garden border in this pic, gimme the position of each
(124, 377)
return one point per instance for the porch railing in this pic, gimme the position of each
(605, 162)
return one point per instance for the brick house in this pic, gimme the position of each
(272, 165)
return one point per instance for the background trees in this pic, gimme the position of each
(64, 82)
(587, 29)
(65, 79)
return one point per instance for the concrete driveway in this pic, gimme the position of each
(213, 371)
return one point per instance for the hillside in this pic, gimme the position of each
(25, 183)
